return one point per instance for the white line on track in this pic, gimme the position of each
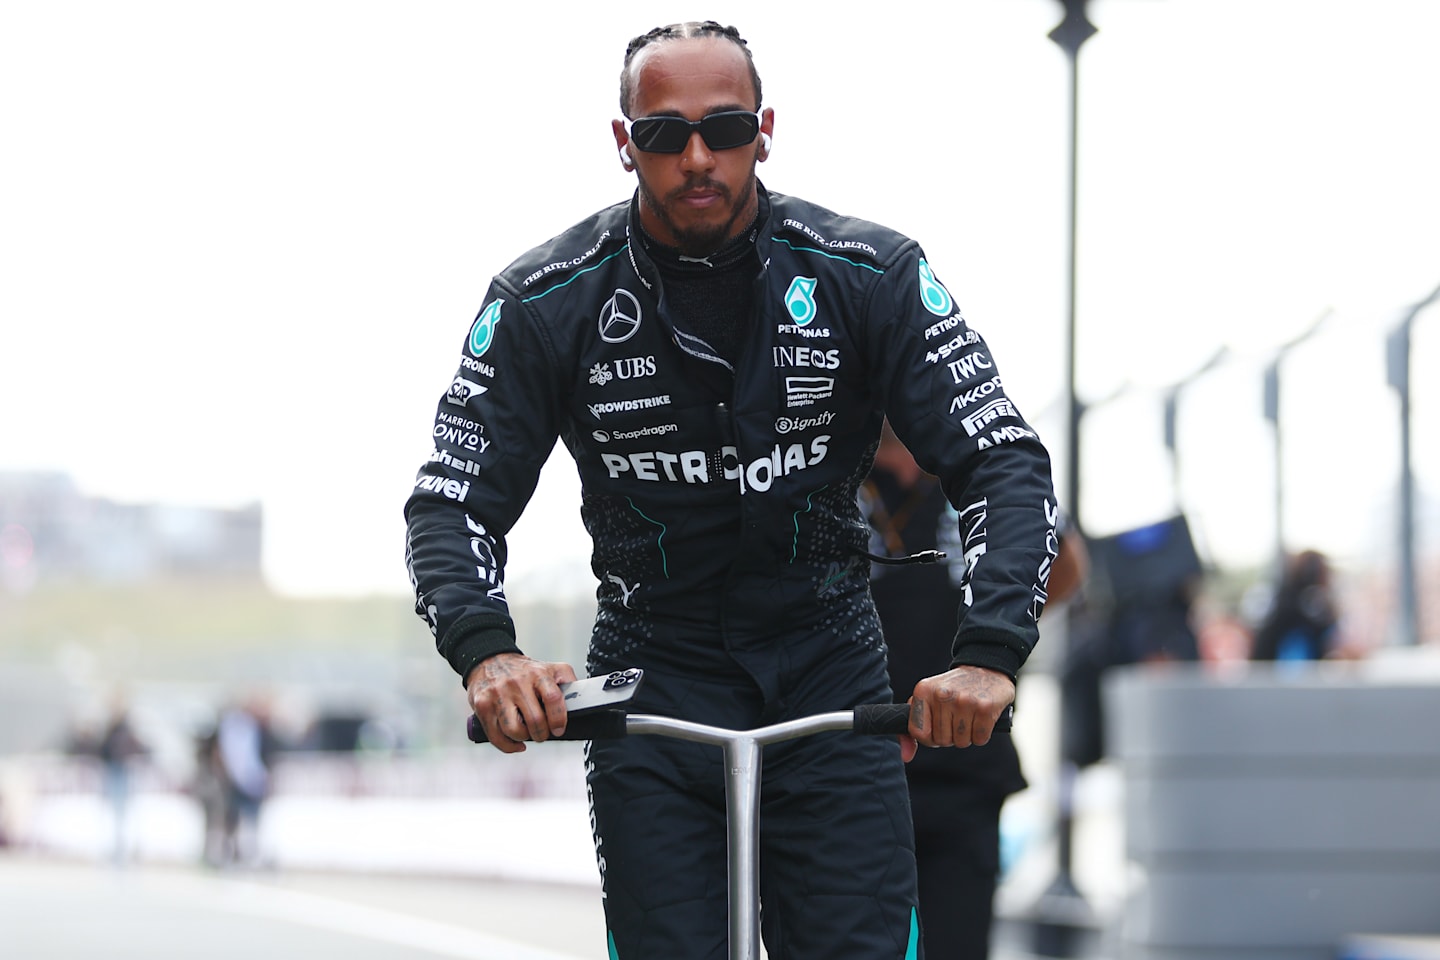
(327, 913)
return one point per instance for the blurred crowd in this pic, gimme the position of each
(230, 778)
(1151, 601)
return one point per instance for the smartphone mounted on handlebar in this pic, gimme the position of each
(609, 692)
(594, 706)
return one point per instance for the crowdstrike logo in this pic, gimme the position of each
(620, 317)
(598, 410)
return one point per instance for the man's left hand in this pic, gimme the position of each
(960, 707)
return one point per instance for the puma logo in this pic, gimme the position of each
(625, 592)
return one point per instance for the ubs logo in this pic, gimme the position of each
(620, 317)
(630, 368)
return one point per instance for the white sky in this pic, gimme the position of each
(241, 243)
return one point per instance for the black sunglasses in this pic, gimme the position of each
(720, 131)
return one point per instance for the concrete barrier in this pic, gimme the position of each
(1271, 815)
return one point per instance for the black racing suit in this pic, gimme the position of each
(721, 499)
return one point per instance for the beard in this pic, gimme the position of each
(701, 239)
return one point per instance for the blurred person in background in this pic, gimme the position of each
(955, 795)
(245, 748)
(118, 749)
(209, 789)
(1302, 622)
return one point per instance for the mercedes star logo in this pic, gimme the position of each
(620, 317)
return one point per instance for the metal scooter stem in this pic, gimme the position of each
(743, 755)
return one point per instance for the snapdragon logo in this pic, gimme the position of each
(657, 430)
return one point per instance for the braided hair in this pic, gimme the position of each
(682, 31)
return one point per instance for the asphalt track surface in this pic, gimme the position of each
(79, 910)
(57, 910)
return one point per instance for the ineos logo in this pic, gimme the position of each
(620, 317)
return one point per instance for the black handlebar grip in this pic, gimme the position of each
(599, 725)
(882, 718)
(894, 718)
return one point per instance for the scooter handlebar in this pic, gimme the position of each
(597, 725)
(894, 718)
(871, 719)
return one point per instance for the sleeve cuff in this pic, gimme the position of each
(993, 656)
(475, 639)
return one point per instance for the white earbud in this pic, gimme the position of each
(765, 142)
(625, 160)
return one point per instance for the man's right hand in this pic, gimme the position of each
(518, 699)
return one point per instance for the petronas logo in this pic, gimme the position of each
(935, 297)
(482, 333)
(800, 300)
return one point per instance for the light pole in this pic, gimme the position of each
(1072, 32)
(1172, 402)
(1272, 413)
(1062, 913)
(1397, 356)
